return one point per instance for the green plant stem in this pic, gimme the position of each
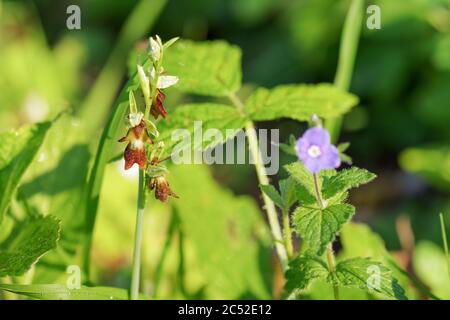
(332, 269)
(287, 233)
(263, 180)
(347, 54)
(330, 253)
(136, 270)
(444, 240)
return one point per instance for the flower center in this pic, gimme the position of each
(314, 151)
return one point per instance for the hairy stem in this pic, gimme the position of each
(330, 253)
(287, 234)
(263, 180)
(136, 271)
(347, 55)
(332, 269)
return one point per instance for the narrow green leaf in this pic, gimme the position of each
(211, 68)
(34, 238)
(298, 171)
(368, 275)
(61, 292)
(345, 180)
(273, 194)
(303, 271)
(319, 227)
(17, 150)
(299, 102)
(444, 241)
(108, 139)
(288, 191)
(196, 119)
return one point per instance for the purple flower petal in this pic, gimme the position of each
(312, 165)
(330, 157)
(317, 136)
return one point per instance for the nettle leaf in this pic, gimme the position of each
(345, 180)
(34, 238)
(298, 171)
(288, 191)
(17, 150)
(305, 191)
(287, 195)
(61, 292)
(208, 116)
(299, 102)
(273, 194)
(303, 271)
(368, 275)
(318, 227)
(211, 68)
(227, 235)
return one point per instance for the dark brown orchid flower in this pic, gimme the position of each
(162, 187)
(135, 151)
(157, 107)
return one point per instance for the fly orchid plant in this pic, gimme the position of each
(142, 131)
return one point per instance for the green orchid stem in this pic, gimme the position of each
(136, 271)
(347, 55)
(287, 233)
(263, 180)
(330, 253)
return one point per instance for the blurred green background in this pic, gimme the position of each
(400, 131)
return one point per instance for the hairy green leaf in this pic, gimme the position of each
(345, 180)
(305, 190)
(368, 275)
(304, 270)
(230, 242)
(319, 227)
(34, 238)
(195, 119)
(273, 194)
(61, 292)
(288, 191)
(211, 68)
(299, 102)
(17, 150)
(57, 186)
(298, 171)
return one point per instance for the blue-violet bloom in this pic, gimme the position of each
(316, 152)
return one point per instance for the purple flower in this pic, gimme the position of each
(316, 151)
